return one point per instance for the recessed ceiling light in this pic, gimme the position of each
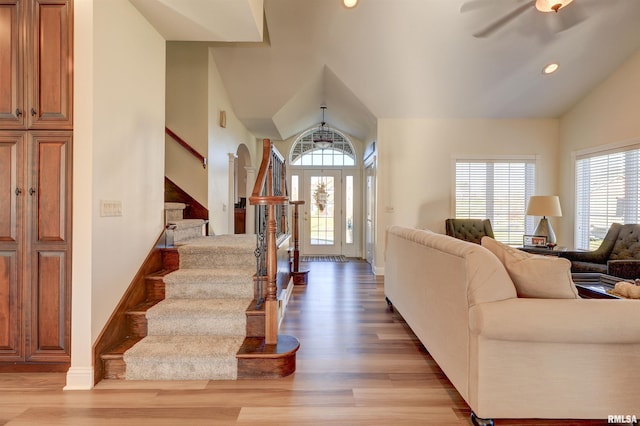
(350, 3)
(550, 69)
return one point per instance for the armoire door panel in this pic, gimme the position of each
(11, 65)
(49, 307)
(11, 186)
(10, 302)
(51, 85)
(49, 186)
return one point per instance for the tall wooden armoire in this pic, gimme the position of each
(36, 123)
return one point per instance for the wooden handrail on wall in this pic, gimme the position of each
(270, 193)
(186, 146)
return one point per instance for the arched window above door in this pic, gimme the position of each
(305, 153)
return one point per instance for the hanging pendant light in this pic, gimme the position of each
(323, 137)
(551, 5)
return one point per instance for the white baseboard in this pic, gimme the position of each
(79, 378)
(283, 300)
(378, 270)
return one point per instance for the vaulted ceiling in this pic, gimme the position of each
(401, 58)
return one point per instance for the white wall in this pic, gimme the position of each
(187, 115)
(222, 142)
(415, 172)
(80, 375)
(608, 115)
(118, 155)
(195, 97)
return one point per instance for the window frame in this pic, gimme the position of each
(582, 225)
(529, 221)
(350, 152)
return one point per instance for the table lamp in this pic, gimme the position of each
(544, 205)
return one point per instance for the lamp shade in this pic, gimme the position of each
(544, 205)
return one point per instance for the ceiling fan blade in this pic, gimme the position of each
(571, 16)
(471, 5)
(499, 23)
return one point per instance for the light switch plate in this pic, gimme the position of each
(110, 208)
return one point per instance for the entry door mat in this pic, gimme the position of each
(338, 259)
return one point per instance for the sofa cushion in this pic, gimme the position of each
(544, 277)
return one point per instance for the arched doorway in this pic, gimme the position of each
(242, 166)
(328, 179)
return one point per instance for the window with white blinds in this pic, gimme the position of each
(497, 190)
(606, 192)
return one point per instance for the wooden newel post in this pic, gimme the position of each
(271, 300)
(299, 277)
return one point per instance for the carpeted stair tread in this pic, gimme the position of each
(225, 317)
(221, 251)
(239, 276)
(206, 308)
(209, 283)
(230, 241)
(186, 223)
(174, 211)
(183, 358)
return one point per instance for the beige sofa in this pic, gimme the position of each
(510, 356)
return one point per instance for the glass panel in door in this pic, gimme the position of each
(322, 213)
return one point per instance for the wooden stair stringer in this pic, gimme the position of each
(112, 360)
(114, 365)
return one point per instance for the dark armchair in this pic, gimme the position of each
(618, 254)
(469, 229)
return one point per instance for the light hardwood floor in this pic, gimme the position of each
(359, 364)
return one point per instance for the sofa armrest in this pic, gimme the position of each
(628, 269)
(584, 256)
(558, 320)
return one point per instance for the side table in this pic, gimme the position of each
(540, 250)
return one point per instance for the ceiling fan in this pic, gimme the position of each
(563, 20)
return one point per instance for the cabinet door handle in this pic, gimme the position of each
(32, 191)
(18, 191)
(18, 112)
(33, 112)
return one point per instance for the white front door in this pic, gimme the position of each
(322, 216)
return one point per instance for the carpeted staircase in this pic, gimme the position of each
(197, 330)
(179, 229)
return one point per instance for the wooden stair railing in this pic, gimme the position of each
(186, 146)
(270, 194)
